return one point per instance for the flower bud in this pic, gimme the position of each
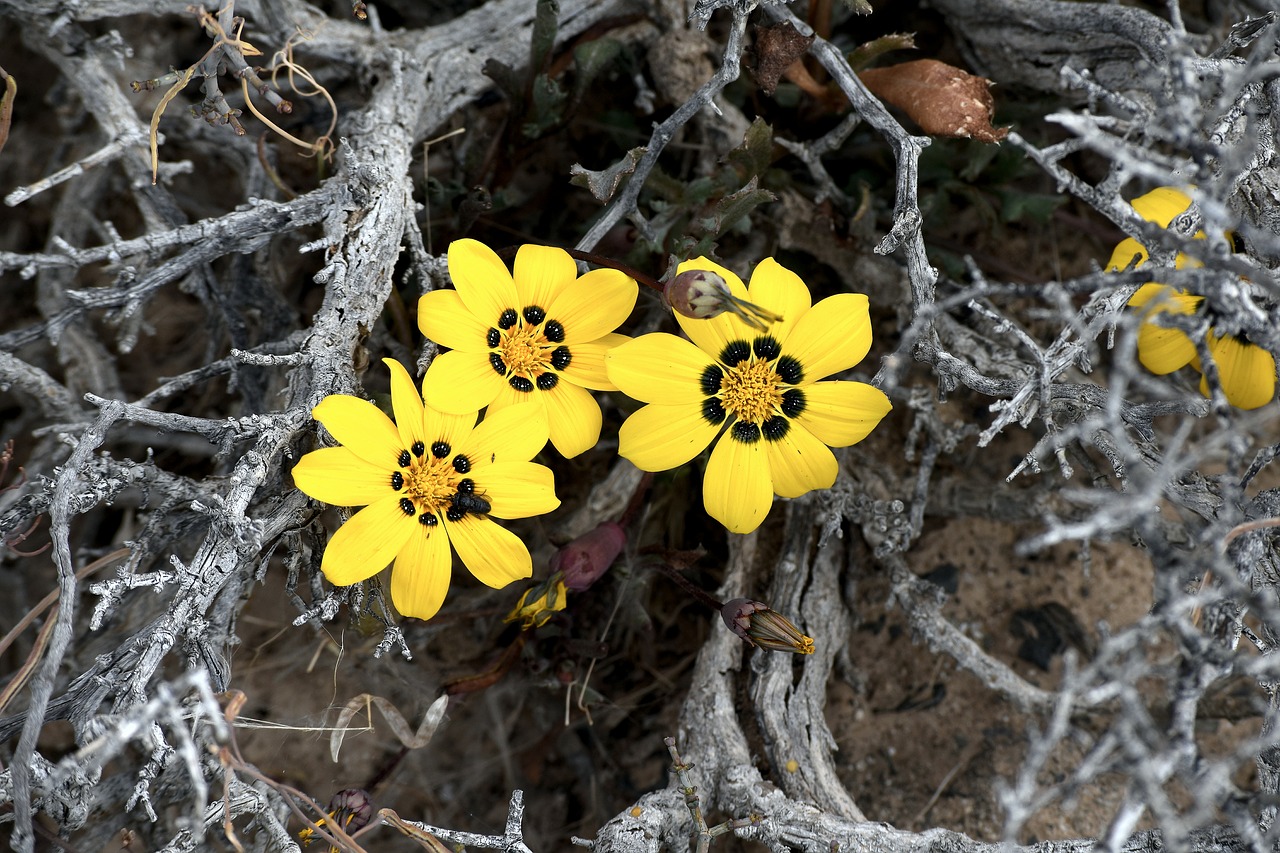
(539, 603)
(351, 809)
(760, 625)
(584, 560)
(699, 294)
(703, 294)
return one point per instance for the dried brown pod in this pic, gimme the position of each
(942, 99)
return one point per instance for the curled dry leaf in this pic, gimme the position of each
(778, 47)
(410, 739)
(942, 99)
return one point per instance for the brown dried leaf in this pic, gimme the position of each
(942, 99)
(777, 48)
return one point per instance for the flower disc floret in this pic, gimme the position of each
(754, 392)
(429, 484)
(538, 336)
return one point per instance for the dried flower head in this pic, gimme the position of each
(701, 294)
(760, 625)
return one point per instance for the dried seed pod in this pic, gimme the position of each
(584, 560)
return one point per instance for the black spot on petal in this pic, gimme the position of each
(561, 357)
(440, 449)
(775, 428)
(418, 448)
(407, 507)
(711, 379)
(793, 402)
(454, 514)
(766, 348)
(461, 464)
(428, 519)
(745, 432)
(508, 319)
(521, 384)
(554, 331)
(466, 486)
(547, 381)
(713, 411)
(499, 366)
(404, 459)
(493, 337)
(533, 315)
(790, 370)
(735, 352)
(397, 480)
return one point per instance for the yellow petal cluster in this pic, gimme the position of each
(430, 484)
(1246, 371)
(755, 393)
(539, 335)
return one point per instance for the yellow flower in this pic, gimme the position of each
(1247, 371)
(429, 481)
(539, 336)
(756, 390)
(539, 602)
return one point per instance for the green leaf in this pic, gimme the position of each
(750, 159)
(604, 183)
(589, 59)
(730, 209)
(508, 81)
(545, 23)
(547, 108)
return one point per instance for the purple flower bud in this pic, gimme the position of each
(703, 294)
(584, 560)
(700, 294)
(760, 625)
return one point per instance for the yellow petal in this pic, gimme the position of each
(518, 489)
(736, 489)
(1247, 371)
(659, 368)
(407, 405)
(453, 430)
(459, 382)
(1162, 205)
(575, 418)
(367, 542)
(778, 289)
(420, 577)
(444, 318)
(337, 476)
(842, 413)
(495, 555)
(586, 366)
(361, 427)
(1123, 254)
(482, 280)
(594, 305)
(659, 437)
(513, 434)
(541, 274)
(711, 336)
(832, 336)
(1163, 350)
(800, 463)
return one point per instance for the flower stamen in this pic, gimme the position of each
(750, 391)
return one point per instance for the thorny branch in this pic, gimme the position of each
(1115, 453)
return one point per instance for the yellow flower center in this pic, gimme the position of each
(525, 352)
(527, 349)
(429, 482)
(434, 481)
(751, 391)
